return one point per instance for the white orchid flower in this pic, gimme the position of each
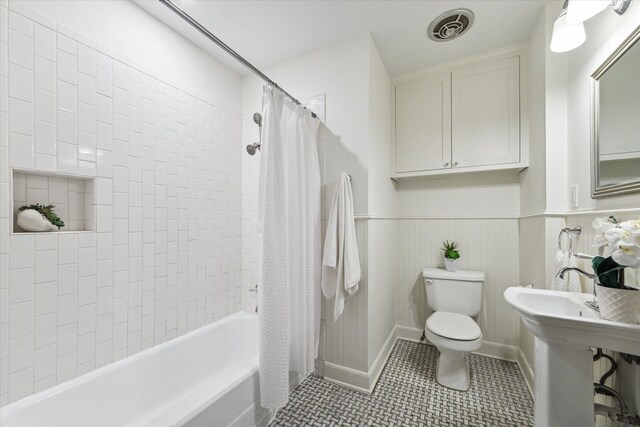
(632, 226)
(602, 225)
(627, 255)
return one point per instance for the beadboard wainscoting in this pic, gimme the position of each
(165, 255)
(489, 245)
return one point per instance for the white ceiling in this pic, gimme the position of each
(267, 32)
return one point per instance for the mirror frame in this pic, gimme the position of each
(622, 187)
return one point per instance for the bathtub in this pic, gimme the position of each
(208, 377)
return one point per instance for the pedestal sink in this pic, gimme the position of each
(566, 329)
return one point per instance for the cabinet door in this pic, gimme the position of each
(423, 124)
(485, 114)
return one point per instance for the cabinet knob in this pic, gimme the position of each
(455, 164)
(446, 164)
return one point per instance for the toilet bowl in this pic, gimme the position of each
(454, 297)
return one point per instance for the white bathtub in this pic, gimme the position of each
(208, 377)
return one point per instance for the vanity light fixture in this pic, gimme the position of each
(566, 36)
(568, 30)
(581, 10)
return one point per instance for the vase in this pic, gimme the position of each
(619, 304)
(32, 220)
(451, 264)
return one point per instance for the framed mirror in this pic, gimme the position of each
(615, 110)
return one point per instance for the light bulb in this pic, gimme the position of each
(566, 36)
(581, 10)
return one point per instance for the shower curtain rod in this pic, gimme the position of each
(195, 24)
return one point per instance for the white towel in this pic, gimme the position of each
(571, 281)
(341, 263)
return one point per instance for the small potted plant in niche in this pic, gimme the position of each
(451, 255)
(39, 218)
(617, 301)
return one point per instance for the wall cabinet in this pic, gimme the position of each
(463, 120)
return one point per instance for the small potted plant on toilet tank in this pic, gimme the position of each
(451, 255)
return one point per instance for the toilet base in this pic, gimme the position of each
(452, 370)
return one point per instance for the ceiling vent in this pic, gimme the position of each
(450, 25)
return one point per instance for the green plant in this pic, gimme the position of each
(450, 249)
(47, 212)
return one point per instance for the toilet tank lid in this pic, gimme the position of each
(463, 275)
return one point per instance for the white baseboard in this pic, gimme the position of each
(526, 370)
(365, 382)
(361, 381)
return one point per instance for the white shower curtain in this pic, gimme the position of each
(289, 247)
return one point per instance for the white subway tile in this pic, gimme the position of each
(104, 300)
(45, 383)
(86, 347)
(46, 300)
(86, 290)
(45, 42)
(87, 318)
(21, 285)
(105, 163)
(46, 242)
(67, 309)
(45, 140)
(104, 353)
(104, 220)
(46, 329)
(66, 44)
(105, 246)
(87, 168)
(67, 128)
(21, 79)
(86, 60)
(20, 49)
(86, 89)
(21, 116)
(86, 262)
(67, 339)
(104, 328)
(45, 107)
(86, 146)
(104, 110)
(104, 276)
(21, 319)
(66, 367)
(67, 155)
(46, 266)
(45, 74)
(22, 250)
(20, 23)
(20, 384)
(67, 278)
(104, 80)
(67, 97)
(87, 118)
(45, 362)
(66, 67)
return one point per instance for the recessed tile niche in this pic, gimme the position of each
(72, 196)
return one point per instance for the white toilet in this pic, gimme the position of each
(454, 298)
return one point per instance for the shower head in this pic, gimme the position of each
(252, 148)
(257, 118)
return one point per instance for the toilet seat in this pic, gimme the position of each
(453, 326)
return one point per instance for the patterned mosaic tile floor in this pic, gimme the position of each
(407, 394)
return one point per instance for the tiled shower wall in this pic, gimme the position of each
(165, 256)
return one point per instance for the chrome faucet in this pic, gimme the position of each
(591, 304)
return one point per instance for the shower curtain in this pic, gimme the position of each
(289, 247)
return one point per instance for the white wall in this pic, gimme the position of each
(164, 255)
(604, 33)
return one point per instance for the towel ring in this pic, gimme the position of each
(569, 232)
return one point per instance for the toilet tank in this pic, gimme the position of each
(455, 292)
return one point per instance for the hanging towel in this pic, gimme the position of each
(571, 281)
(340, 262)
